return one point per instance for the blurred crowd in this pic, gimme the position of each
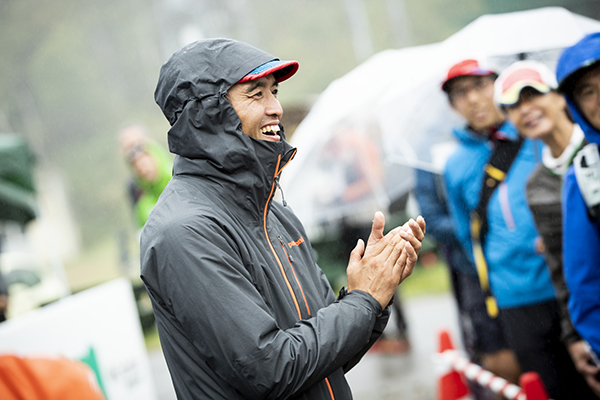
(516, 214)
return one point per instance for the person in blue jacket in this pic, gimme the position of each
(470, 92)
(482, 337)
(578, 74)
(523, 295)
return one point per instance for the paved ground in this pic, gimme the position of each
(407, 377)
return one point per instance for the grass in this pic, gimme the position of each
(152, 340)
(427, 280)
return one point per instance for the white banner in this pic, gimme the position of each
(99, 326)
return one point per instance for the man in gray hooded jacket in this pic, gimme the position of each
(242, 309)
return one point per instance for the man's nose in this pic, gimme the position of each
(472, 95)
(273, 107)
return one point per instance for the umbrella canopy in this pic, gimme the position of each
(17, 194)
(392, 108)
(420, 136)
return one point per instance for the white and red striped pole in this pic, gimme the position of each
(532, 386)
(475, 373)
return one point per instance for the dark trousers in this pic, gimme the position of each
(533, 332)
(482, 334)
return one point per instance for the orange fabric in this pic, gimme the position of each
(46, 379)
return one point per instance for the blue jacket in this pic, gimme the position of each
(518, 275)
(581, 238)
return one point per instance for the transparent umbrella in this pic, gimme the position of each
(420, 134)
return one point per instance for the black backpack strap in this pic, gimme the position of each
(496, 169)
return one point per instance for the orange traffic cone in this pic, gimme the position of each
(533, 386)
(451, 385)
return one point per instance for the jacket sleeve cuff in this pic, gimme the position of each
(363, 298)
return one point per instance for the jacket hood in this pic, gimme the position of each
(206, 132)
(573, 62)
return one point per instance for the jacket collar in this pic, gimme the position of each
(251, 187)
(467, 136)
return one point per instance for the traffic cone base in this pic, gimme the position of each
(533, 386)
(451, 385)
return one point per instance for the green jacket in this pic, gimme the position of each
(150, 191)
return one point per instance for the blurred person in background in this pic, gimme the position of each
(3, 292)
(242, 309)
(578, 74)
(526, 91)
(357, 154)
(3, 297)
(150, 166)
(481, 335)
(470, 91)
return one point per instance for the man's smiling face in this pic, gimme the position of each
(256, 104)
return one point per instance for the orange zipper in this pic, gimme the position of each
(295, 276)
(287, 282)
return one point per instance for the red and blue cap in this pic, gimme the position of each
(465, 68)
(281, 70)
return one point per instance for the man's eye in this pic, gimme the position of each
(584, 92)
(275, 92)
(460, 93)
(587, 92)
(257, 95)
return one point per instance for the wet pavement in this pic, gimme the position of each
(408, 376)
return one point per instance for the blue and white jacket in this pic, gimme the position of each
(581, 235)
(518, 275)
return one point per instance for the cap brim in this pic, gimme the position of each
(512, 94)
(281, 70)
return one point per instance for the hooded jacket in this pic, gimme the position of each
(518, 275)
(242, 309)
(581, 238)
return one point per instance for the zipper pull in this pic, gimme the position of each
(288, 255)
(281, 190)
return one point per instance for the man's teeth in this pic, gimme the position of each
(270, 129)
